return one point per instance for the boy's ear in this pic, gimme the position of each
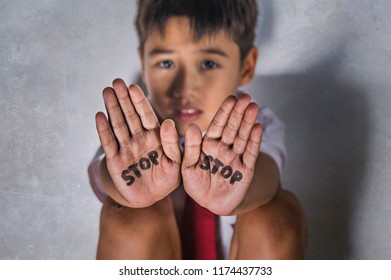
(141, 59)
(248, 66)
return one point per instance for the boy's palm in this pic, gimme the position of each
(143, 158)
(218, 170)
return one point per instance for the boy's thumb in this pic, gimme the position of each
(193, 140)
(169, 139)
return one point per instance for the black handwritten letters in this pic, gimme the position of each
(144, 163)
(208, 163)
(226, 170)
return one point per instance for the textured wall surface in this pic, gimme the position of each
(325, 68)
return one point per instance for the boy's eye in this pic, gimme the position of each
(166, 64)
(208, 64)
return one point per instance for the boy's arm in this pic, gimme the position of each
(264, 185)
(270, 162)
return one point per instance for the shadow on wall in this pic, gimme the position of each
(326, 136)
(327, 126)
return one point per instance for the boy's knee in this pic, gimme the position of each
(115, 219)
(284, 213)
(288, 205)
(291, 214)
(114, 214)
(279, 227)
(137, 233)
(285, 216)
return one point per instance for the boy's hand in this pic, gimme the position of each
(218, 170)
(142, 157)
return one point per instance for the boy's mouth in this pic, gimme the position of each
(188, 114)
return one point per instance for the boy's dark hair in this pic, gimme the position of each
(236, 17)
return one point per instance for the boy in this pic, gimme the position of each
(194, 55)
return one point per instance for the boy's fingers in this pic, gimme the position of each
(219, 121)
(235, 119)
(106, 137)
(169, 138)
(117, 121)
(193, 141)
(251, 152)
(248, 121)
(143, 108)
(129, 112)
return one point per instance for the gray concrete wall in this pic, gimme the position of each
(324, 68)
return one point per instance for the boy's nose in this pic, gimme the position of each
(186, 83)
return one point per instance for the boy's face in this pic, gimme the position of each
(187, 80)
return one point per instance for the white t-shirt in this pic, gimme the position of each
(272, 144)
